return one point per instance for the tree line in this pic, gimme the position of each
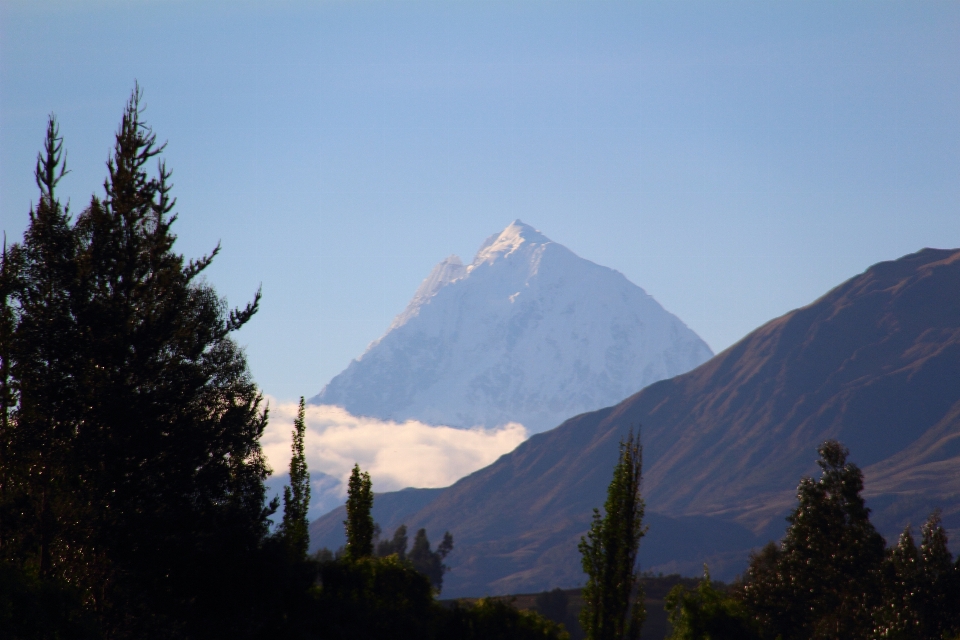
(832, 575)
(363, 536)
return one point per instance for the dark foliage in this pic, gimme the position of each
(420, 557)
(819, 582)
(552, 605)
(36, 609)
(832, 578)
(359, 522)
(497, 619)
(708, 613)
(132, 470)
(372, 598)
(296, 496)
(386, 598)
(921, 587)
(395, 546)
(427, 562)
(613, 597)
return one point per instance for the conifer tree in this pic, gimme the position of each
(132, 447)
(921, 587)
(359, 522)
(898, 615)
(296, 496)
(39, 375)
(613, 596)
(939, 581)
(821, 581)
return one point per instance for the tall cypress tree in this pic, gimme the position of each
(296, 496)
(359, 522)
(613, 596)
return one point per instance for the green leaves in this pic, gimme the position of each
(707, 614)
(613, 598)
(359, 522)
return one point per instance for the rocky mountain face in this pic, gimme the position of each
(874, 363)
(528, 332)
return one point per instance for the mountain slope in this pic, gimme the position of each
(875, 363)
(528, 332)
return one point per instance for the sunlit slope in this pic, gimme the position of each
(875, 363)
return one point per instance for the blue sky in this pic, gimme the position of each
(735, 159)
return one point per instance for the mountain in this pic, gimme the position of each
(528, 332)
(874, 363)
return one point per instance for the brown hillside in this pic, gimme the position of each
(875, 363)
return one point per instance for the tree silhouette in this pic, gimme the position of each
(132, 468)
(820, 582)
(397, 545)
(427, 562)
(296, 496)
(359, 522)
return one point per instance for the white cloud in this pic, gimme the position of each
(397, 455)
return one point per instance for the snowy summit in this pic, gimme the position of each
(529, 332)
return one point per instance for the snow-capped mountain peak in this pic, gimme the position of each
(529, 332)
(507, 242)
(447, 271)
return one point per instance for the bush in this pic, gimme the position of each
(498, 619)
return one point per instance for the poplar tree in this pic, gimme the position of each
(296, 496)
(359, 522)
(613, 596)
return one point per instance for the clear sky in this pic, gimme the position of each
(735, 159)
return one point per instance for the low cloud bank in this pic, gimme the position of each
(397, 455)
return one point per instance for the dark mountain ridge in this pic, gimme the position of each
(874, 363)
